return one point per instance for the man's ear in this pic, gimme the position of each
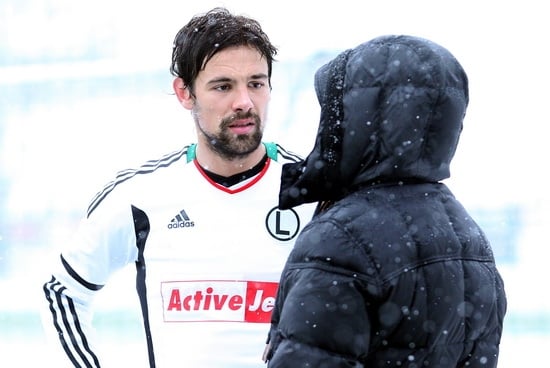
(183, 94)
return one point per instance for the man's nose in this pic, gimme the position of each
(242, 101)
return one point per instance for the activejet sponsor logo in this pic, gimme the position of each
(217, 301)
(181, 220)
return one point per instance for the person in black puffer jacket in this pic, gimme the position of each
(391, 271)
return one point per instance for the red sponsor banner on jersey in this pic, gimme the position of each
(218, 301)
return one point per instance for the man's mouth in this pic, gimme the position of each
(240, 123)
(241, 127)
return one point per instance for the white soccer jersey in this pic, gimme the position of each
(208, 260)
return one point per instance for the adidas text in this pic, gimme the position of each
(175, 225)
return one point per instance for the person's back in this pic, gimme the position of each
(428, 271)
(392, 271)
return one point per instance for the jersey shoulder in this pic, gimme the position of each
(278, 153)
(148, 168)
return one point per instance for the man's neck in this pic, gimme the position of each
(219, 165)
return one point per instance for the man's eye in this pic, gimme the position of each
(256, 84)
(223, 87)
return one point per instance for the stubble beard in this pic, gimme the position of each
(231, 146)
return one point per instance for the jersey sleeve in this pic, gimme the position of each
(103, 243)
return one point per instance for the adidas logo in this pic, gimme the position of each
(181, 220)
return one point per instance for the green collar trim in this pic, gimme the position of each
(270, 148)
(191, 152)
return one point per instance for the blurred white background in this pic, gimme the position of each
(85, 91)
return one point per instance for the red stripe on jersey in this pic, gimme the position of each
(236, 190)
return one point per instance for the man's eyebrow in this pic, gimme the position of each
(228, 80)
(219, 80)
(259, 76)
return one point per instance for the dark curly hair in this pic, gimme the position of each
(209, 33)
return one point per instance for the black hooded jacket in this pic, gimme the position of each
(392, 271)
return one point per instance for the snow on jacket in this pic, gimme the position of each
(395, 273)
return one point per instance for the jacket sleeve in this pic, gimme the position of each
(321, 311)
(81, 270)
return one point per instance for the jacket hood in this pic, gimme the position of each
(391, 111)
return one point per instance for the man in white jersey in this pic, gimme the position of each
(201, 224)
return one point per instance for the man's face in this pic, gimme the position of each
(231, 96)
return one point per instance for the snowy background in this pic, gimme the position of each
(85, 91)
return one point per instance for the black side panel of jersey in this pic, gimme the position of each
(142, 227)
